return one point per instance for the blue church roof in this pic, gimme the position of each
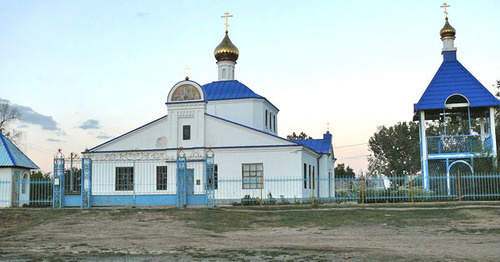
(453, 78)
(319, 145)
(12, 156)
(231, 89)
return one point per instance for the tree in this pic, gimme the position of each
(8, 114)
(294, 136)
(395, 150)
(341, 171)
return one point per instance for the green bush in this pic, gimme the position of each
(249, 201)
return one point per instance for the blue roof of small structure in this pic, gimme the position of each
(12, 156)
(319, 145)
(231, 89)
(453, 78)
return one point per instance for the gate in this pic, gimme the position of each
(72, 181)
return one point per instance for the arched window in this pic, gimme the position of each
(24, 183)
(457, 100)
(270, 116)
(266, 118)
(224, 74)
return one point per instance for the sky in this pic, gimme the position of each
(83, 72)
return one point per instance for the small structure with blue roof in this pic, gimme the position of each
(457, 121)
(14, 166)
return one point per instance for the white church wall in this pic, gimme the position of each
(237, 110)
(104, 177)
(152, 136)
(250, 112)
(5, 186)
(326, 176)
(278, 164)
(260, 117)
(145, 183)
(222, 133)
(196, 124)
(310, 159)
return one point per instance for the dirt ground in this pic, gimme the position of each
(369, 233)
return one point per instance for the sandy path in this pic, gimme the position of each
(155, 236)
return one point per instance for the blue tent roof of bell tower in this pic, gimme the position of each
(453, 78)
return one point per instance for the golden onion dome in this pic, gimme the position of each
(448, 32)
(226, 50)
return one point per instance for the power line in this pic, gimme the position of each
(350, 145)
(353, 157)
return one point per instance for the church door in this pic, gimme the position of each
(16, 183)
(190, 181)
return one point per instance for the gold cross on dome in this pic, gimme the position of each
(445, 5)
(226, 15)
(186, 71)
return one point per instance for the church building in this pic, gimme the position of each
(226, 119)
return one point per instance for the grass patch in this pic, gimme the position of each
(222, 220)
(15, 220)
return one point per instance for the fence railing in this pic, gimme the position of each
(443, 187)
(459, 144)
(362, 190)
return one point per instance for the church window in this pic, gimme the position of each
(266, 118)
(161, 178)
(224, 74)
(124, 178)
(313, 178)
(270, 119)
(186, 132)
(305, 175)
(253, 175)
(309, 176)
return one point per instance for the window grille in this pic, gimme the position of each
(253, 175)
(161, 178)
(124, 178)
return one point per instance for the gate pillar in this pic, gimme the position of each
(181, 178)
(210, 178)
(86, 182)
(58, 191)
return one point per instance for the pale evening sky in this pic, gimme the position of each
(83, 72)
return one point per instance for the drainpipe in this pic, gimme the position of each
(317, 167)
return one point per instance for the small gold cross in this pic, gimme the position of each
(227, 15)
(186, 71)
(445, 5)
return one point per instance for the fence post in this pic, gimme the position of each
(261, 189)
(459, 187)
(312, 189)
(411, 186)
(362, 189)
